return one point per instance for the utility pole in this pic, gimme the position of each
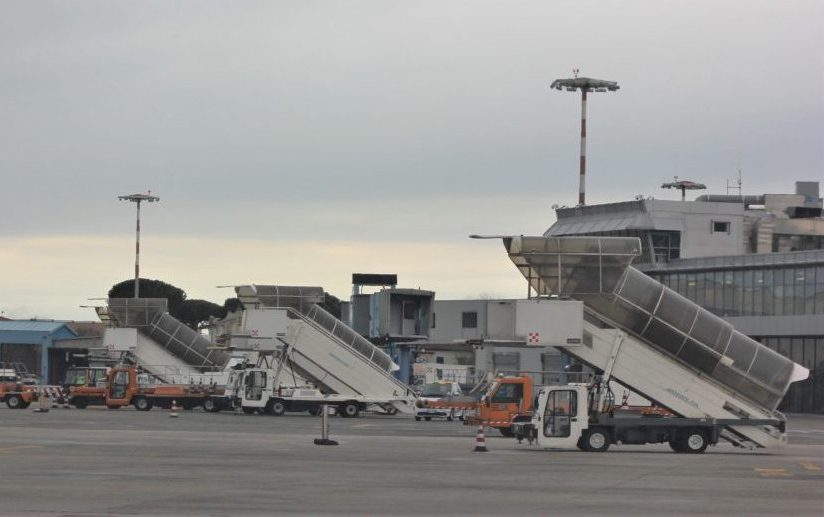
(585, 84)
(137, 199)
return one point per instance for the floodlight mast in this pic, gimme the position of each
(585, 84)
(137, 199)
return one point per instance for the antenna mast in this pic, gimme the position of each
(736, 186)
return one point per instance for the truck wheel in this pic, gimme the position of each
(596, 440)
(694, 442)
(581, 444)
(427, 418)
(506, 431)
(278, 408)
(417, 419)
(142, 404)
(80, 403)
(250, 410)
(14, 402)
(675, 445)
(112, 406)
(349, 410)
(211, 405)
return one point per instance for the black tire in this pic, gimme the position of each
(15, 402)
(391, 410)
(211, 405)
(427, 418)
(112, 406)
(582, 444)
(278, 408)
(506, 431)
(143, 404)
(694, 441)
(417, 419)
(349, 410)
(315, 411)
(596, 440)
(250, 410)
(80, 403)
(675, 445)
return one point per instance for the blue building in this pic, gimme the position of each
(37, 346)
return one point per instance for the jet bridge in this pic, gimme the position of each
(655, 341)
(319, 347)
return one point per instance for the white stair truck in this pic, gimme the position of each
(718, 383)
(342, 368)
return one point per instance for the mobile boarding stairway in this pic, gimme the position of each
(655, 341)
(317, 346)
(160, 343)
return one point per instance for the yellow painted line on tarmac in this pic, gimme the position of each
(16, 448)
(769, 473)
(812, 467)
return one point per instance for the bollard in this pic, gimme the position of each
(324, 427)
(43, 405)
(174, 414)
(480, 440)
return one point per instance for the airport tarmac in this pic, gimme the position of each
(103, 462)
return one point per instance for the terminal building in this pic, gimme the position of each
(757, 261)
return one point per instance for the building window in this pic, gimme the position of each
(666, 245)
(409, 310)
(433, 320)
(469, 320)
(720, 227)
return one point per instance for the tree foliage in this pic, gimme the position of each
(150, 289)
(194, 312)
(331, 304)
(231, 305)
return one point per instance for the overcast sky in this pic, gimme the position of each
(295, 143)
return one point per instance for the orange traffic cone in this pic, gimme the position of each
(174, 414)
(480, 440)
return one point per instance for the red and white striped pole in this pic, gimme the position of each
(137, 255)
(583, 169)
(586, 85)
(480, 440)
(137, 199)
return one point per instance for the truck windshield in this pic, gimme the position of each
(75, 377)
(561, 406)
(436, 389)
(508, 393)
